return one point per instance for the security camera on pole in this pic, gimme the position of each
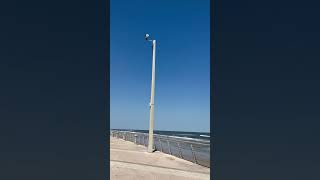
(151, 125)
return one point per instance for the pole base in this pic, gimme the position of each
(151, 151)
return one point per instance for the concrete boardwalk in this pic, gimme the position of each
(129, 161)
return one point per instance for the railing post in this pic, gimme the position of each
(180, 153)
(145, 140)
(135, 139)
(140, 139)
(169, 147)
(194, 154)
(160, 145)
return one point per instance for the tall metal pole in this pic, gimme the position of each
(151, 125)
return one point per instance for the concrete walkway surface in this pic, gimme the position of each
(129, 161)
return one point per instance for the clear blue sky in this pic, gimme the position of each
(182, 94)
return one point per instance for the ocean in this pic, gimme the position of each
(202, 136)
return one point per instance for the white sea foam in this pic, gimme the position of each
(190, 139)
(204, 135)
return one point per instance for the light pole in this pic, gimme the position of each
(151, 124)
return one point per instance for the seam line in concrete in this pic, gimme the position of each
(160, 167)
(137, 151)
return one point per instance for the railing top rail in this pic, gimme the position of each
(172, 138)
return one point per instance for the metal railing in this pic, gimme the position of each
(191, 150)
